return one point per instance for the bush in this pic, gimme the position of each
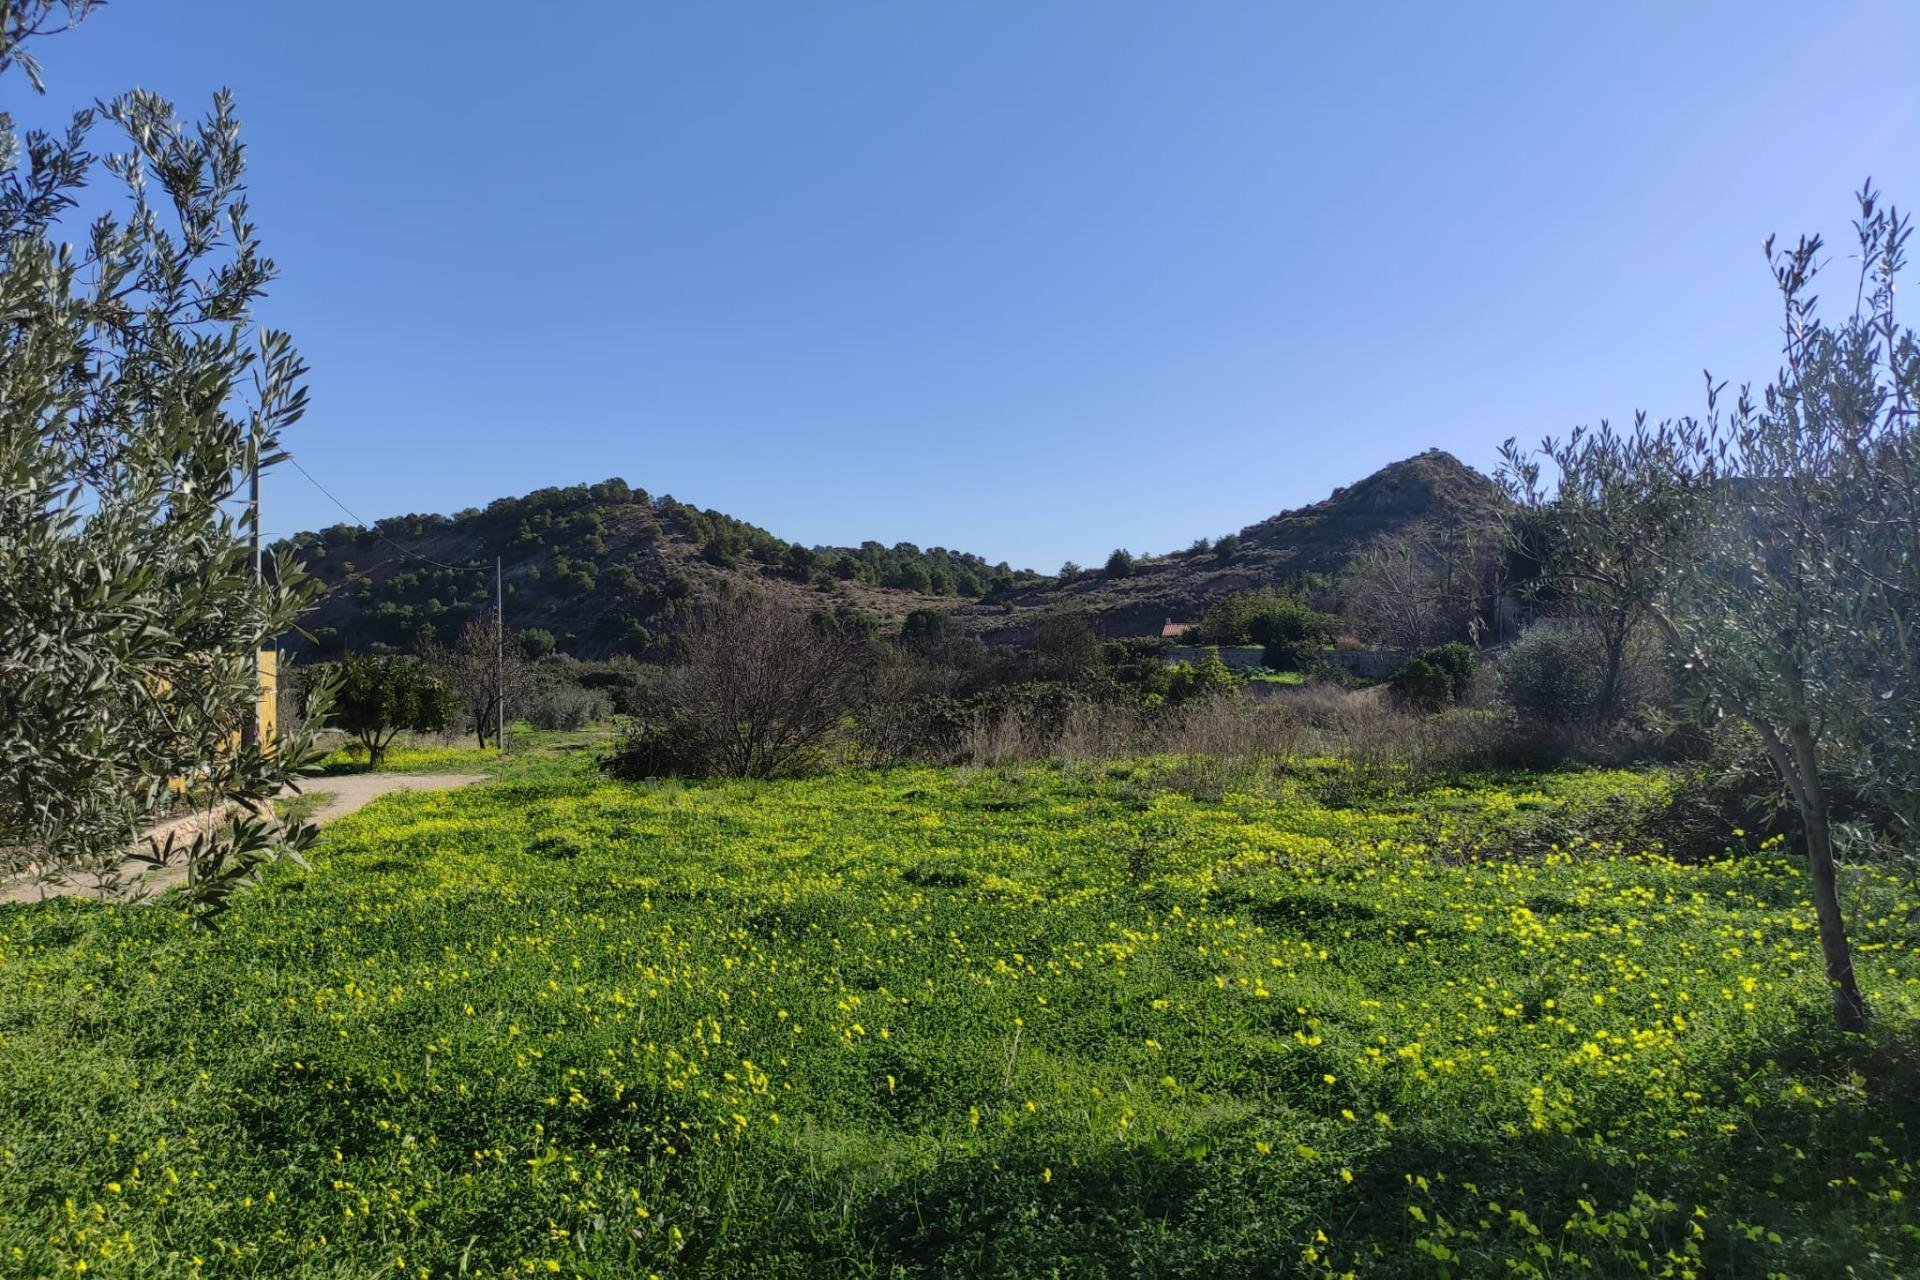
(621, 681)
(1290, 630)
(1005, 722)
(562, 706)
(759, 691)
(1552, 674)
(1420, 685)
(534, 643)
(1120, 563)
(921, 624)
(1195, 681)
(1434, 679)
(1556, 673)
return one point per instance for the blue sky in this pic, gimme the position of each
(1032, 280)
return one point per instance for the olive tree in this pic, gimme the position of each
(136, 394)
(1775, 544)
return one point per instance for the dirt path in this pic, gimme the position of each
(338, 797)
(350, 791)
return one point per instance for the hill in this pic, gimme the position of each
(603, 567)
(1432, 496)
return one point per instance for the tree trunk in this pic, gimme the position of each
(1614, 637)
(1849, 1010)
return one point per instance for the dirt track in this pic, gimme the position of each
(340, 796)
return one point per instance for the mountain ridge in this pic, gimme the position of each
(604, 567)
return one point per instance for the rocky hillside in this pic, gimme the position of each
(1432, 496)
(603, 568)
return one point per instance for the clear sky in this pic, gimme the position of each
(1026, 279)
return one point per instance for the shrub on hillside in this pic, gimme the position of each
(534, 642)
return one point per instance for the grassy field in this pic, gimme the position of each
(1043, 1021)
(418, 753)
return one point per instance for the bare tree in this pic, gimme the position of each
(480, 671)
(1415, 589)
(758, 688)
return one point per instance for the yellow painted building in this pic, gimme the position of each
(266, 704)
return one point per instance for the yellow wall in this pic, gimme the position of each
(266, 711)
(266, 707)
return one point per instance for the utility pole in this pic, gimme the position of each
(499, 660)
(250, 727)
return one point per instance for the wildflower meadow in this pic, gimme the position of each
(1047, 1020)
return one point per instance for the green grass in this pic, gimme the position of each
(297, 808)
(1264, 676)
(927, 1023)
(415, 753)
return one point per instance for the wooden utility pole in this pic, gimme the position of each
(250, 727)
(499, 659)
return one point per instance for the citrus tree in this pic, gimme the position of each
(376, 697)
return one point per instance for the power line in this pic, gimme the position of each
(604, 628)
(456, 568)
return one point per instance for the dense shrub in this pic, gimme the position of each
(1120, 563)
(1194, 681)
(1434, 678)
(1556, 673)
(1420, 685)
(621, 681)
(942, 728)
(1551, 674)
(562, 706)
(1290, 630)
(534, 642)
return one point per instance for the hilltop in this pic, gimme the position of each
(603, 567)
(1432, 496)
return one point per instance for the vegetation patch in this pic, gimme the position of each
(874, 1023)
